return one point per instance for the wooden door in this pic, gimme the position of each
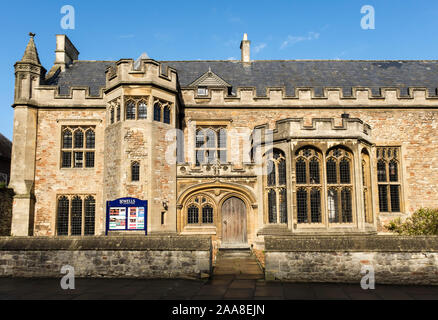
(234, 221)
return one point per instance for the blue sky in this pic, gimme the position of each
(210, 29)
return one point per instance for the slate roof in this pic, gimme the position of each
(83, 74)
(5, 147)
(289, 74)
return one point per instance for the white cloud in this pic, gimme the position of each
(232, 58)
(259, 47)
(292, 40)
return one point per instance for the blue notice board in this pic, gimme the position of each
(126, 214)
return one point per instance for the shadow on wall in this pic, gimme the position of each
(6, 197)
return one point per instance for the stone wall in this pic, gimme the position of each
(412, 129)
(6, 198)
(109, 257)
(395, 259)
(52, 181)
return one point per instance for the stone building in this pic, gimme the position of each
(233, 149)
(5, 159)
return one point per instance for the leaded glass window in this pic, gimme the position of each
(135, 171)
(366, 183)
(166, 115)
(193, 214)
(301, 171)
(130, 110)
(333, 213)
(157, 111)
(388, 179)
(339, 185)
(211, 145)
(76, 215)
(200, 210)
(315, 205)
(276, 186)
(67, 139)
(302, 215)
(90, 213)
(90, 139)
(78, 144)
(62, 221)
(207, 214)
(118, 112)
(142, 110)
(308, 179)
(272, 206)
(79, 138)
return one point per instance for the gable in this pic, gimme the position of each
(209, 79)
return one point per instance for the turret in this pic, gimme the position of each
(29, 73)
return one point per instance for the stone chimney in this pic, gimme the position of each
(65, 52)
(245, 48)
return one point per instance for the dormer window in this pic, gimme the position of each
(202, 91)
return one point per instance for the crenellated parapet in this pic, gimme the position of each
(326, 128)
(307, 97)
(149, 72)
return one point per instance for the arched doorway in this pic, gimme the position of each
(234, 222)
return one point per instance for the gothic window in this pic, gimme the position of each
(157, 111)
(200, 204)
(67, 141)
(193, 215)
(135, 171)
(79, 138)
(276, 187)
(272, 206)
(62, 221)
(90, 139)
(118, 112)
(366, 182)
(301, 171)
(339, 185)
(76, 215)
(90, 213)
(210, 145)
(78, 144)
(130, 110)
(333, 205)
(166, 115)
(142, 110)
(112, 116)
(388, 179)
(308, 181)
(302, 215)
(207, 214)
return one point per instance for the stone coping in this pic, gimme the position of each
(345, 243)
(113, 243)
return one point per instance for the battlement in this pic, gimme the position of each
(149, 72)
(307, 97)
(327, 128)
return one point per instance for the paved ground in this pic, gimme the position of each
(224, 287)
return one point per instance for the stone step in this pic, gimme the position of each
(234, 252)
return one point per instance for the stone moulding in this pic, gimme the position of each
(369, 243)
(112, 243)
